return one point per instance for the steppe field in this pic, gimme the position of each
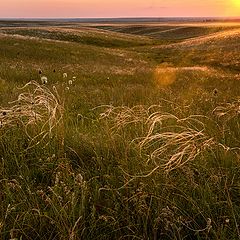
(119, 130)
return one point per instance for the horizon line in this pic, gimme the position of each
(132, 17)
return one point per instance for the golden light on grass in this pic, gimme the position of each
(165, 76)
(170, 142)
(37, 109)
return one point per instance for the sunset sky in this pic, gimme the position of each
(117, 8)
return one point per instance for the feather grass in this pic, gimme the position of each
(37, 109)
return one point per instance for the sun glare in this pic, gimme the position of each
(236, 3)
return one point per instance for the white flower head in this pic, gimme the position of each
(44, 79)
(65, 75)
(70, 82)
(74, 78)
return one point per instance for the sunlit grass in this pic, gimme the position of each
(115, 138)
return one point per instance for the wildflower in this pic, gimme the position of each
(74, 78)
(65, 75)
(67, 88)
(79, 179)
(40, 192)
(13, 184)
(104, 218)
(70, 82)
(44, 79)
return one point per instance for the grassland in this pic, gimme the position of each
(135, 135)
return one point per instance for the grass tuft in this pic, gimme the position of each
(37, 110)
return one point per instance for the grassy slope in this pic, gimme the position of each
(168, 32)
(88, 191)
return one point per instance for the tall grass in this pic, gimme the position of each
(150, 175)
(37, 111)
(128, 170)
(169, 140)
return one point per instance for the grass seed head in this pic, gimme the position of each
(37, 109)
(228, 111)
(44, 80)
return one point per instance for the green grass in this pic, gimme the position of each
(167, 32)
(139, 141)
(83, 36)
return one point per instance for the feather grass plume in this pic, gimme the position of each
(37, 109)
(177, 142)
(168, 140)
(123, 116)
(228, 111)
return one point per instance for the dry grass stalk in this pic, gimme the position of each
(122, 116)
(177, 143)
(170, 141)
(228, 111)
(37, 110)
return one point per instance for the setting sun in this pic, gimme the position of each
(232, 8)
(236, 3)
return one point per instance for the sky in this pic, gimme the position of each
(118, 8)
